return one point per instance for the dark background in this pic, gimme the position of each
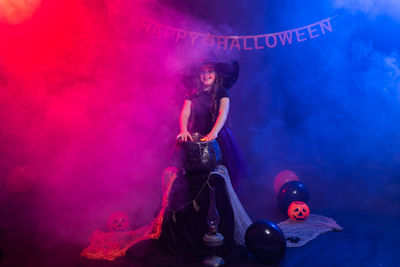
(90, 107)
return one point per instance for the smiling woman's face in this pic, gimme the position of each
(207, 75)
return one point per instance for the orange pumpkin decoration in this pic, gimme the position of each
(118, 221)
(298, 211)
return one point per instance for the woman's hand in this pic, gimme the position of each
(209, 137)
(184, 136)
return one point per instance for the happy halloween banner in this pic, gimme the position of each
(242, 42)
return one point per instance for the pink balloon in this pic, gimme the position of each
(282, 178)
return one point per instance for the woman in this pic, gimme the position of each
(206, 108)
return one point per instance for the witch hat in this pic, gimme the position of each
(228, 71)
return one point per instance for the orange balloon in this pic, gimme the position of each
(16, 11)
(282, 178)
(298, 211)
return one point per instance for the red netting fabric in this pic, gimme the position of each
(112, 245)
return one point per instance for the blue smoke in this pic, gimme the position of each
(330, 104)
(332, 100)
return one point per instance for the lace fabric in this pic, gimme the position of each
(299, 233)
(112, 245)
(242, 220)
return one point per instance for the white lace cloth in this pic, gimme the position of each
(299, 233)
(242, 220)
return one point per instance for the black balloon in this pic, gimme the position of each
(266, 241)
(292, 191)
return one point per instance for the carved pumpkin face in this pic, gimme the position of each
(298, 211)
(118, 221)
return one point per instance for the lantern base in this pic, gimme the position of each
(213, 240)
(213, 261)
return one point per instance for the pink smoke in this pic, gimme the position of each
(91, 106)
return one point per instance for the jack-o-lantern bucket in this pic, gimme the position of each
(118, 221)
(298, 211)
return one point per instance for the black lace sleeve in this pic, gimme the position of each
(223, 92)
(191, 93)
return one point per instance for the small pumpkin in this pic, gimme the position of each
(118, 221)
(298, 211)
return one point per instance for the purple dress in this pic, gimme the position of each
(202, 121)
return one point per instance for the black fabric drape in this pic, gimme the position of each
(181, 240)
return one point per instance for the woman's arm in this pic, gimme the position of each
(185, 114)
(219, 123)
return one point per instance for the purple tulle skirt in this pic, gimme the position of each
(232, 156)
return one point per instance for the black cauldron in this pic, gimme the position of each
(200, 156)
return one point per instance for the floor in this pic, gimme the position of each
(371, 235)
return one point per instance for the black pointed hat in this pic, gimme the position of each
(228, 71)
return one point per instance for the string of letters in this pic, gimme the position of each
(242, 42)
